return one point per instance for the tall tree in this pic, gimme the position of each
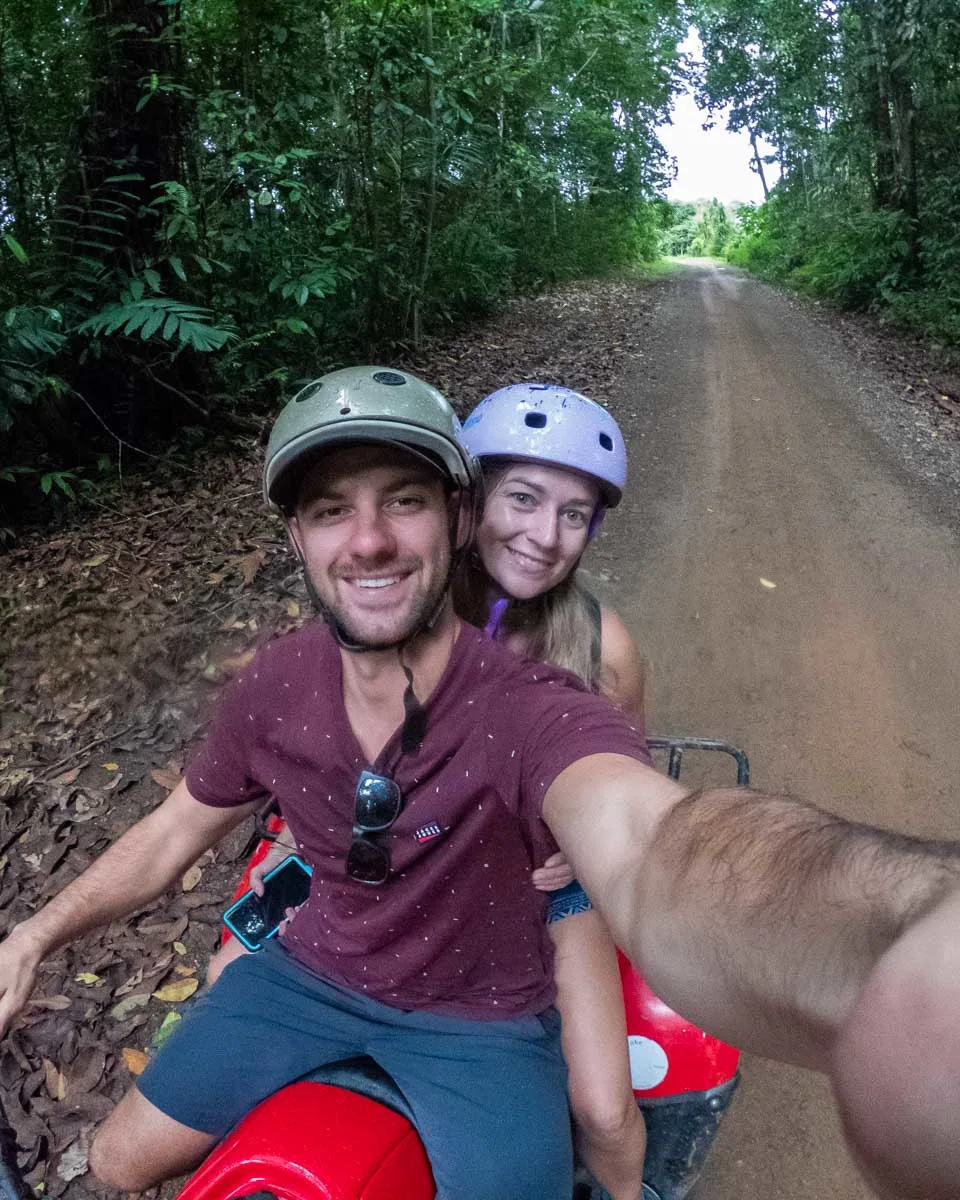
(861, 99)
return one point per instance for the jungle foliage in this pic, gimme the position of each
(202, 201)
(701, 229)
(860, 100)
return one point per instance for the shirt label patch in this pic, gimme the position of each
(426, 833)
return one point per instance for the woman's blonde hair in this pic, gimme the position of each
(561, 626)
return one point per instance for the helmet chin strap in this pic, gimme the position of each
(596, 520)
(343, 638)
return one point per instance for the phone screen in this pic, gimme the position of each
(255, 918)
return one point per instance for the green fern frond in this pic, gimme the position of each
(183, 325)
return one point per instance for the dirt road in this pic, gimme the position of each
(750, 463)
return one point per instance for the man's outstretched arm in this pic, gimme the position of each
(133, 871)
(758, 916)
(794, 934)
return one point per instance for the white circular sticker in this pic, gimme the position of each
(648, 1062)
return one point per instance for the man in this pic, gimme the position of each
(419, 769)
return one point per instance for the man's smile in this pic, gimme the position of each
(377, 582)
(375, 587)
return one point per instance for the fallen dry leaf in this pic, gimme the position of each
(191, 878)
(179, 948)
(51, 1003)
(135, 1060)
(53, 1078)
(134, 981)
(250, 565)
(129, 1005)
(111, 766)
(164, 931)
(176, 993)
(67, 776)
(166, 779)
(74, 1161)
(88, 977)
(85, 1072)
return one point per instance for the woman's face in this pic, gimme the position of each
(534, 527)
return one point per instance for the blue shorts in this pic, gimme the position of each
(567, 902)
(488, 1097)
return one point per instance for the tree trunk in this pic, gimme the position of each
(131, 138)
(758, 165)
(431, 205)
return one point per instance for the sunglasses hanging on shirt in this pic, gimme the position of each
(378, 800)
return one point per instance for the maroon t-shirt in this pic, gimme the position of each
(458, 927)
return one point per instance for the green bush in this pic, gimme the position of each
(471, 269)
(859, 260)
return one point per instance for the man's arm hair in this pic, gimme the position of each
(759, 917)
(136, 869)
(791, 906)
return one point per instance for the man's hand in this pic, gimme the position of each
(555, 873)
(20, 956)
(896, 1063)
(282, 848)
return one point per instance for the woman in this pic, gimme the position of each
(553, 462)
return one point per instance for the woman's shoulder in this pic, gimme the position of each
(617, 639)
(623, 668)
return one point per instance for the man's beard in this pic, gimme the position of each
(374, 631)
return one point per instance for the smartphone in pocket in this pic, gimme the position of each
(252, 919)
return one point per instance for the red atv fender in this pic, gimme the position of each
(669, 1056)
(683, 1080)
(312, 1141)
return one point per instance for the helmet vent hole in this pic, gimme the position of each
(344, 411)
(390, 378)
(535, 420)
(606, 441)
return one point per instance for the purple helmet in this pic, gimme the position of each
(554, 425)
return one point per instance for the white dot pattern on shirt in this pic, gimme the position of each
(449, 843)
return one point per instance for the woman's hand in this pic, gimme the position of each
(555, 873)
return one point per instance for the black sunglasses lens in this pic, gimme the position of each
(378, 802)
(367, 862)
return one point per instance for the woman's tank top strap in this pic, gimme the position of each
(596, 622)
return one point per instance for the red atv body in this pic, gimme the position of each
(345, 1133)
